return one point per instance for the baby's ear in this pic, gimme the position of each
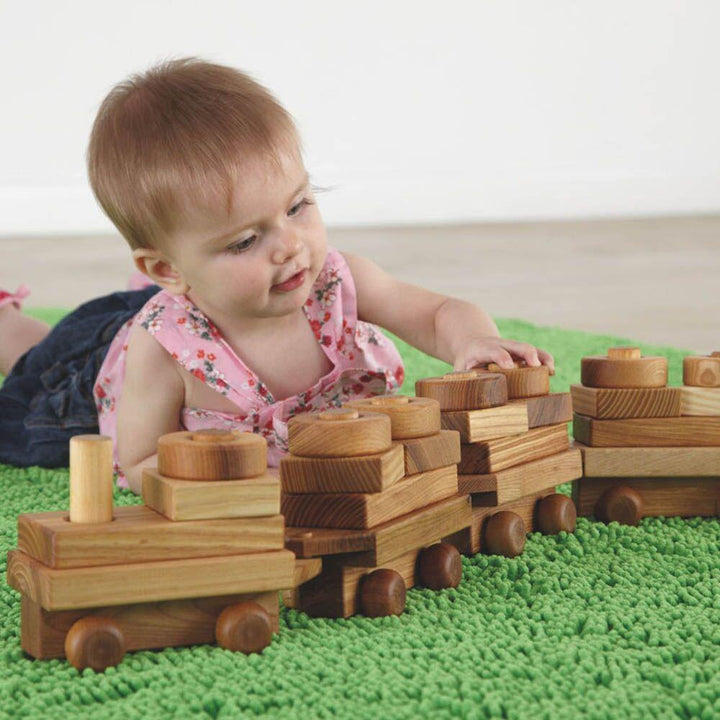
(160, 270)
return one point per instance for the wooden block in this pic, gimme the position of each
(340, 432)
(197, 500)
(617, 371)
(547, 409)
(364, 510)
(501, 487)
(620, 403)
(145, 626)
(86, 587)
(431, 452)
(699, 401)
(651, 432)
(306, 569)
(650, 461)
(471, 390)
(494, 455)
(410, 417)
(524, 381)
(702, 370)
(479, 425)
(139, 534)
(364, 473)
(669, 497)
(307, 542)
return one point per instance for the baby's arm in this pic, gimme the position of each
(453, 330)
(152, 397)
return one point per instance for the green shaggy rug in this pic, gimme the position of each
(608, 622)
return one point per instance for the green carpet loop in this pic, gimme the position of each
(607, 622)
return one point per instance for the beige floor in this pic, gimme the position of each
(655, 280)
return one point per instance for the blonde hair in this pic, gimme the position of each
(177, 136)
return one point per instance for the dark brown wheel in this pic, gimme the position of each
(622, 504)
(556, 512)
(94, 642)
(439, 566)
(245, 627)
(504, 534)
(382, 592)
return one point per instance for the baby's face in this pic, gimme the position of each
(237, 267)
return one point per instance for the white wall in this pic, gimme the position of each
(415, 111)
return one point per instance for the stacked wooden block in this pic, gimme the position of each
(515, 450)
(648, 449)
(202, 561)
(372, 487)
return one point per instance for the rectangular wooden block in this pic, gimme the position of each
(364, 474)
(143, 582)
(431, 452)
(548, 409)
(651, 432)
(487, 424)
(617, 403)
(198, 500)
(365, 510)
(495, 455)
(670, 497)
(144, 626)
(139, 534)
(699, 401)
(650, 461)
(515, 482)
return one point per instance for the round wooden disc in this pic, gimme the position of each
(524, 381)
(244, 627)
(410, 417)
(212, 455)
(504, 534)
(604, 372)
(702, 370)
(311, 435)
(439, 566)
(94, 642)
(473, 390)
(556, 512)
(620, 504)
(382, 592)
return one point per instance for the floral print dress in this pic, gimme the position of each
(366, 362)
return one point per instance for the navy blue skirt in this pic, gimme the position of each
(48, 395)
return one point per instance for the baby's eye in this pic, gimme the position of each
(295, 209)
(243, 245)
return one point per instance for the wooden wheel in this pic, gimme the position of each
(244, 627)
(94, 642)
(382, 592)
(621, 504)
(504, 534)
(439, 566)
(556, 512)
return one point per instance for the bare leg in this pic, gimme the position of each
(18, 333)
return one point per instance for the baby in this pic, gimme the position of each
(247, 318)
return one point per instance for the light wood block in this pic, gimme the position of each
(699, 401)
(488, 424)
(91, 479)
(669, 497)
(363, 473)
(650, 432)
(650, 461)
(86, 587)
(376, 545)
(546, 410)
(614, 372)
(471, 390)
(139, 534)
(702, 370)
(364, 510)
(145, 626)
(431, 452)
(198, 500)
(494, 455)
(617, 403)
(410, 417)
(306, 569)
(515, 482)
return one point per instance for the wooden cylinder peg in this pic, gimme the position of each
(504, 534)
(94, 642)
(439, 566)
(338, 414)
(410, 417)
(624, 353)
(91, 479)
(245, 627)
(556, 512)
(702, 370)
(623, 372)
(621, 504)
(382, 593)
(472, 390)
(212, 455)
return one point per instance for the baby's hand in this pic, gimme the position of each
(480, 351)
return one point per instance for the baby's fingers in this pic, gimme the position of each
(546, 359)
(525, 352)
